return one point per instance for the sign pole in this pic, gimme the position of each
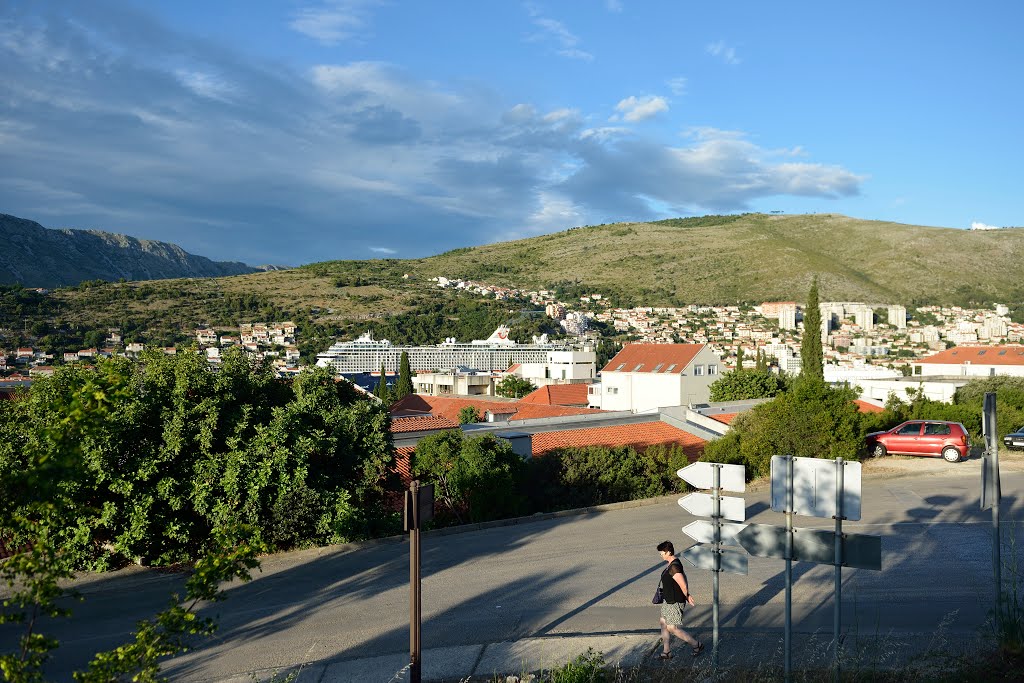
(994, 489)
(840, 470)
(717, 521)
(414, 581)
(788, 631)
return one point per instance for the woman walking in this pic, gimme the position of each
(676, 593)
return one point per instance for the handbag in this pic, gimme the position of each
(657, 599)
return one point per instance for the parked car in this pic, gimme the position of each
(923, 437)
(1014, 440)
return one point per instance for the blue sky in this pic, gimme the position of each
(292, 132)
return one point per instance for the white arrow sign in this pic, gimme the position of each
(701, 475)
(703, 505)
(703, 557)
(703, 531)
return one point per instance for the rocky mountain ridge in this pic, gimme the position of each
(35, 256)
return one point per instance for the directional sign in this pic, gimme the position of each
(812, 545)
(701, 475)
(814, 487)
(703, 531)
(703, 505)
(703, 557)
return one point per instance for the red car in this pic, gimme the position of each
(923, 437)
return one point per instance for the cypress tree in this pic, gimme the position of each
(404, 386)
(739, 357)
(381, 391)
(811, 356)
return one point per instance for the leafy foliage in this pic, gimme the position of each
(514, 387)
(469, 415)
(476, 478)
(810, 420)
(184, 451)
(581, 477)
(740, 385)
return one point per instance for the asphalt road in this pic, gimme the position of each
(587, 574)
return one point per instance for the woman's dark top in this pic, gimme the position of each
(670, 590)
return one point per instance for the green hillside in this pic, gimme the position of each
(705, 260)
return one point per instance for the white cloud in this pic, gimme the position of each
(552, 30)
(724, 52)
(206, 84)
(149, 146)
(635, 109)
(334, 21)
(977, 225)
(677, 85)
(383, 250)
(613, 5)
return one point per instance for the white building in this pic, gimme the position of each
(645, 377)
(973, 361)
(562, 367)
(898, 316)
(787, 317)
(864, 316)
(787, 357)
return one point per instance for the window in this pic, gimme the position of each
(671, 368)
(621, 365)
(698, 370)
(712, 369)
(910, 429)
(658, 367)
(638, 366)
(936, 428)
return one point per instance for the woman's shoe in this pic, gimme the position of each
(665, 655)
(697, 650)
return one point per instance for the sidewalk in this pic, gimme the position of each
(757, 650)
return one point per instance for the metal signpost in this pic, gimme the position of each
(818, 488)
(717, 477)
(990, 488)
(419, 508)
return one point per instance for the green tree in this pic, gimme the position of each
(739, 357)
(381, 391)
(514, 387)
(475, 478)
(740, 385)
(468, 415)
(811, 356)
(810, 420)
(404, 386)
(761, 364)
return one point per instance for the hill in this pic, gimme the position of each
(707, 260)
(758, 257)
(35, 256)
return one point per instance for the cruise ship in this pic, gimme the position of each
(495, 353)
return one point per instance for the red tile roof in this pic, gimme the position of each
(446, 406)
(559, 395)
(724, 418)
(865, 407)
(417, 423)
(401, 466)
(979, 355)
(639, 436)
(647, 357)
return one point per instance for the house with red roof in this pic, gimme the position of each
(973, 361)
(645, 377)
